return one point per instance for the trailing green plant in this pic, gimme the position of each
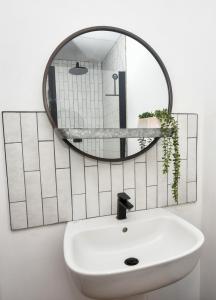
(170, 145)
(146, 115)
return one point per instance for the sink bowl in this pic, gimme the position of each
(109, 258)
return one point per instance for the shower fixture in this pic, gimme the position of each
(78, 70)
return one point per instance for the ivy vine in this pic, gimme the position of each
(170, 145)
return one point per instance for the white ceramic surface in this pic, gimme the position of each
(151, 122)
(167, 247)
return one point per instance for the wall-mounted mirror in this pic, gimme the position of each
(99, 80)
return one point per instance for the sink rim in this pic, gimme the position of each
(134, 217)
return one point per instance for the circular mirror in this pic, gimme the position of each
(103, 78)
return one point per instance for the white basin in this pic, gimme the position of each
(167, 247)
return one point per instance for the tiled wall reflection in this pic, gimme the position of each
(49, 183)
(76, 97)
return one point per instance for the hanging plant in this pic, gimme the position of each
(170, 145)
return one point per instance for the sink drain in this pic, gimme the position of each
(131, 261)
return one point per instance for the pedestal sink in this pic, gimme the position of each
(110, 259)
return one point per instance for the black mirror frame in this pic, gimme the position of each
(139, 40)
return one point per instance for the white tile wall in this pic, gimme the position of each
(76, 96)
(117, 183)
(105, 203)
(30, 141)
(50, 210)
(12, 130)
(33, 196)
(47, 167)
(140, 180)
(15, 172)
(68, 186)
(18, 215)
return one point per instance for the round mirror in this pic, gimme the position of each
(103, 78)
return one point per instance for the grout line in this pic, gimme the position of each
(111, 181)
(55, 175)
(49, 197)
(40, 169)
(98, 190)
(9, 143)
(6, 168)
(90, 166)
(42, 141)
(85, 186)
(27, 216)
(187, 165)
(70, 184)
(146, 180)
(13, 202)
(134, 171)
(135, 184)
(157, 174)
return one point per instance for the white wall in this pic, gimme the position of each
(182, 32)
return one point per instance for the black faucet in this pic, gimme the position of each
(122, 205)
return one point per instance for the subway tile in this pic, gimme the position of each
(182, 124)
(30, 141)
(182, 189)
(151, 164)
(131, 193)
(128, 167)
(45, 130)
(159, 147)
(47, 165)
(192, 125)
(16, 181)
(64, 194)
(192, 191)
(105, 203)
(170, 173)
(151, 197)
(90, 162)
(34, 201)
(141, 158)
(12, 130)
(79, 207)
(171, 200)
(50, 210)
(140, 171)
(77, 172)
(18, 215)
(104, 176)
(91, 174)
(61, 153)
(117, 184)
(192, 159)
(162, 186)
(95, 177)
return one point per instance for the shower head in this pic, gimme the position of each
(78, 70)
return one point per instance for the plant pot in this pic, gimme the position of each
(151, 122)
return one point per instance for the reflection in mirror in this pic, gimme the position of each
(104, 79)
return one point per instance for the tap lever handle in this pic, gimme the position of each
(123, 196)
(123, 199)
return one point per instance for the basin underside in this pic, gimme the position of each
(135, 282)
